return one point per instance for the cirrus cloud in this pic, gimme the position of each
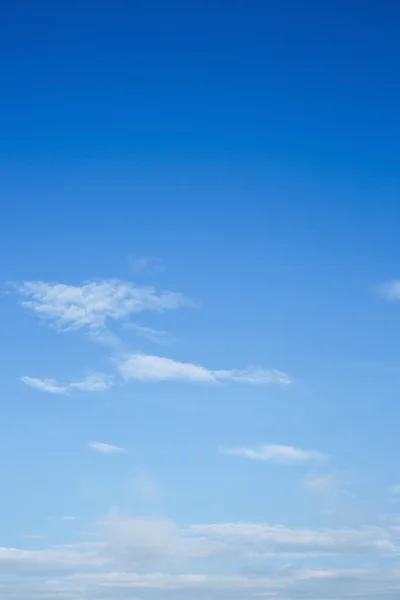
(96, 382)
(275, 453)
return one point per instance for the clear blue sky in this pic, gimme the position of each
(200, 326)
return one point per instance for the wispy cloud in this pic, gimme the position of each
(390, 290)
(91, 304)
(265, 539)
(158, 336)
(334, 494)
(275, 453)
(145, 367)
(105, 448)
(333, 484)
(96, 382)
(68, 518)
(395, 491)
(321, 484)
(45, 385)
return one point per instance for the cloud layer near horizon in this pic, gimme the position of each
(134, 555)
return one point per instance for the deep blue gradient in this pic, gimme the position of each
(255, 148)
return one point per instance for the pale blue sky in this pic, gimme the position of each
(200, 309)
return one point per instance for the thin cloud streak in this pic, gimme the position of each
(104, 448)
(96, 382)
(275, 453)
(157, 336)
(144, 367)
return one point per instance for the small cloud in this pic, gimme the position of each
(321, 484)
(158, 336)
(90, 305)
(106, 338)
(253, 375)
(144, 367)
(333, 491)
(68, 518)
(276, 453)
(390, 290)
(105, 448)
(35, 536)
(96, 382)
(45, 385)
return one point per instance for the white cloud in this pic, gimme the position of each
(91, 304)
(253, 375)
(158, 336)
(275, 453)
(149, 542)
(105, 448)
(145, 542)
(321, 484)
(144, 367)
(155, 368)
(330, 485)
(54, 558)
(155, 559)
(277, 583)
(96, 382)
(390, 290)
(68, 518)
(266, 540)
(45, 385)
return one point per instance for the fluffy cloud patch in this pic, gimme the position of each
(91, 304)
(145, 367)
(96, 382)
(275, 453)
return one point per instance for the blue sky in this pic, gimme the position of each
(200, 309)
